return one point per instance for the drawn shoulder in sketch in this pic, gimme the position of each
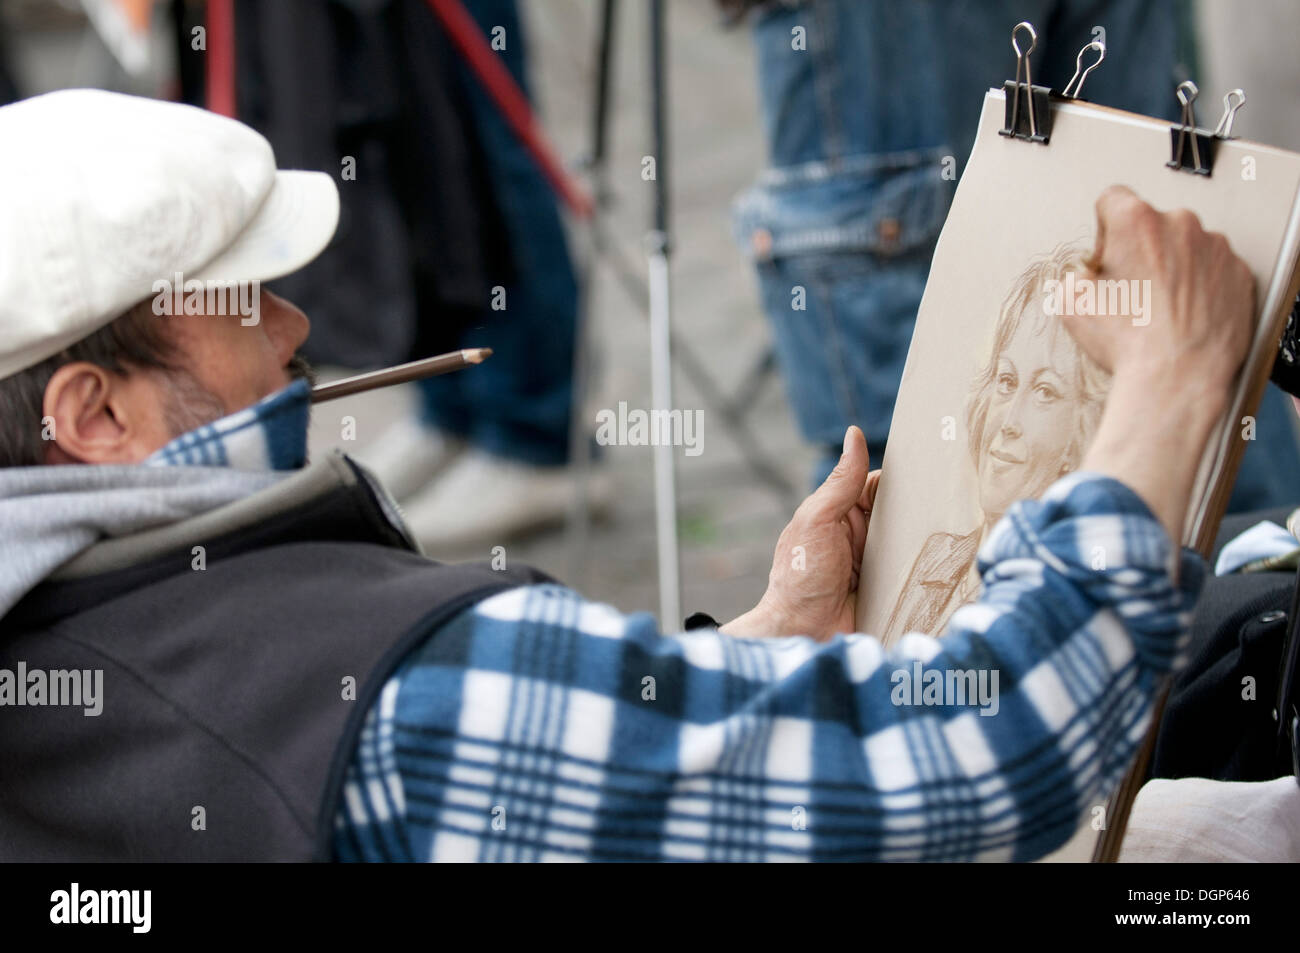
(1030, 414)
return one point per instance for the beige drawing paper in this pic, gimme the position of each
(995, 401)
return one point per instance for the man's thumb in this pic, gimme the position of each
(844, 485)
(1115, 197)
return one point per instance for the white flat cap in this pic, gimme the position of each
(102, 194)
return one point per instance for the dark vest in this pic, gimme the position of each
(224, 689)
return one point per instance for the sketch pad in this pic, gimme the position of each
(1016, 203)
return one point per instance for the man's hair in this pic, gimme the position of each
(1091, 382)
(135, 341)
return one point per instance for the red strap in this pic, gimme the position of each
(509, 98)
(220, 57)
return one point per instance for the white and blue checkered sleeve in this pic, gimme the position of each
(540, 726)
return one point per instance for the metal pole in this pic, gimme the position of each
(604, 57)
(661, 369)
(580, 451)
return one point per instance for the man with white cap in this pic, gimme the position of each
(211, 650)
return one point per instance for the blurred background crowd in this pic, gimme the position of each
(812, 145)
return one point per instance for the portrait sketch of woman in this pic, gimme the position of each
(1031, 412)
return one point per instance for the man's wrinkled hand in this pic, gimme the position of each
(1173, 369)
(812, 589)
(1200, 312)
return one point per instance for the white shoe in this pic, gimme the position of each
(486, 499)
(408, 455)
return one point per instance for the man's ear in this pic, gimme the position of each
(92, 415)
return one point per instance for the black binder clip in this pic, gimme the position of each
(1034, 121)
(1192, 149)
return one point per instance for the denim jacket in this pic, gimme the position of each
(869, 111)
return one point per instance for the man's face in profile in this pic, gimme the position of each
(221, 364)
(238, 363)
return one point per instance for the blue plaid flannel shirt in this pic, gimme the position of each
(540, 726)
(269, 435)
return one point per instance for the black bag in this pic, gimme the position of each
(1232, 712)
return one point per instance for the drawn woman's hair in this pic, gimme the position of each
(1090, 381)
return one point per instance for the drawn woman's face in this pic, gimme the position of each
(1031, 415)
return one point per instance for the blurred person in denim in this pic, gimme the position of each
(869, 112)
(503, 436)
(449, 236)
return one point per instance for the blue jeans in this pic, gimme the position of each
(858, 125)
(517, 404)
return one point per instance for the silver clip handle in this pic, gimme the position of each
(1233, 101)
(1074, 88)
(1022, 58)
